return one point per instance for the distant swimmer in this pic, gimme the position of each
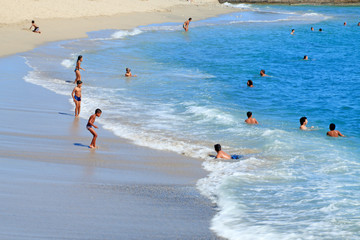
(186, 24)
(333, 132)
(36, 27)
(77, 69)
(250, 83)
(344, 23)
(320, 30)
(312, 29)
(76, 95)
(359, 24)
(306, 57)
(90, 126)
(128, 73)
(250, 119)
(224, 155)
(262, 73)
(303, 123)
(292, 31)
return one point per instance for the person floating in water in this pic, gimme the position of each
(312, 29)
(320, 30)
(250, 119)
(262, 73)
(90, 126)
(77, 69)
(128, 73)
(76, 95)
(186, 24)
(250, 83)
(306, 57)
(224, 155)
(344, 23)
(292, 31)
(303, 123)
(333, 132)
(36, 27)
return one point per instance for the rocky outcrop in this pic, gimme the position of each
(312, 2)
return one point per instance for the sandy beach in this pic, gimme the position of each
(52, 184)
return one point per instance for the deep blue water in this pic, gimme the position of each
(191, 93)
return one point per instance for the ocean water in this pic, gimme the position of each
(191, 93)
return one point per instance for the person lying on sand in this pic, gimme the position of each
(36, 27)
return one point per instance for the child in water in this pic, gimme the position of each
(76, 95)
(128, 73)
(333, 132)
(77, 69)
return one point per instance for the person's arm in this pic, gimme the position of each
(31, 26)
(341, 134)
(91, 121)
(73, 94)
(256, 122)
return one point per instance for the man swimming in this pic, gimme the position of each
(262, 73)
(250, 119)
(306, 57)
(292, 31)
(333, 132)
(186, 24)
(250, 83)
(303, 123)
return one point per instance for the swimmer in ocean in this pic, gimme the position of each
(292, 31)
(250, 119)
(224, 155)
(128, 73)
(312, 29)
(250, 83)
(262, 73)
(186, 24)
(303, 123)
(306, 57)
(333, 132)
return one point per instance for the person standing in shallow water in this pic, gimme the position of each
(90, 126)
(250, 119)
(77, 69)
(186, 24)
(303, 123)
(76, 95)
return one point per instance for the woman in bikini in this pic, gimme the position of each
(77, 69)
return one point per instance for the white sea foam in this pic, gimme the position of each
(68, 63)
(239, 5)
(125, 33)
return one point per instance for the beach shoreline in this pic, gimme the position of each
(16, 36)
(49, 172)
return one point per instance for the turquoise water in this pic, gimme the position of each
(191, 93)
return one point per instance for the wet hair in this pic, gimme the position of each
(249, 83)
(302, 120)
(320, 29)
(32, 21)
(305, 56)
(262, 71)
(292, 30)
(79, 82)
(217, 147)
(79, 57)
(190, 19)
(98, 110)
(332, 126)
(249, 114)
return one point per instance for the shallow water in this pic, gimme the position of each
(191, 93)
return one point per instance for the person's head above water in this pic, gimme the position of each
(262, 72)
(303, 120)
(332, 126)
(217, 147)
(249, 114)
(249, 83)
(312, 29)
(306, 57)
(320, 29)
